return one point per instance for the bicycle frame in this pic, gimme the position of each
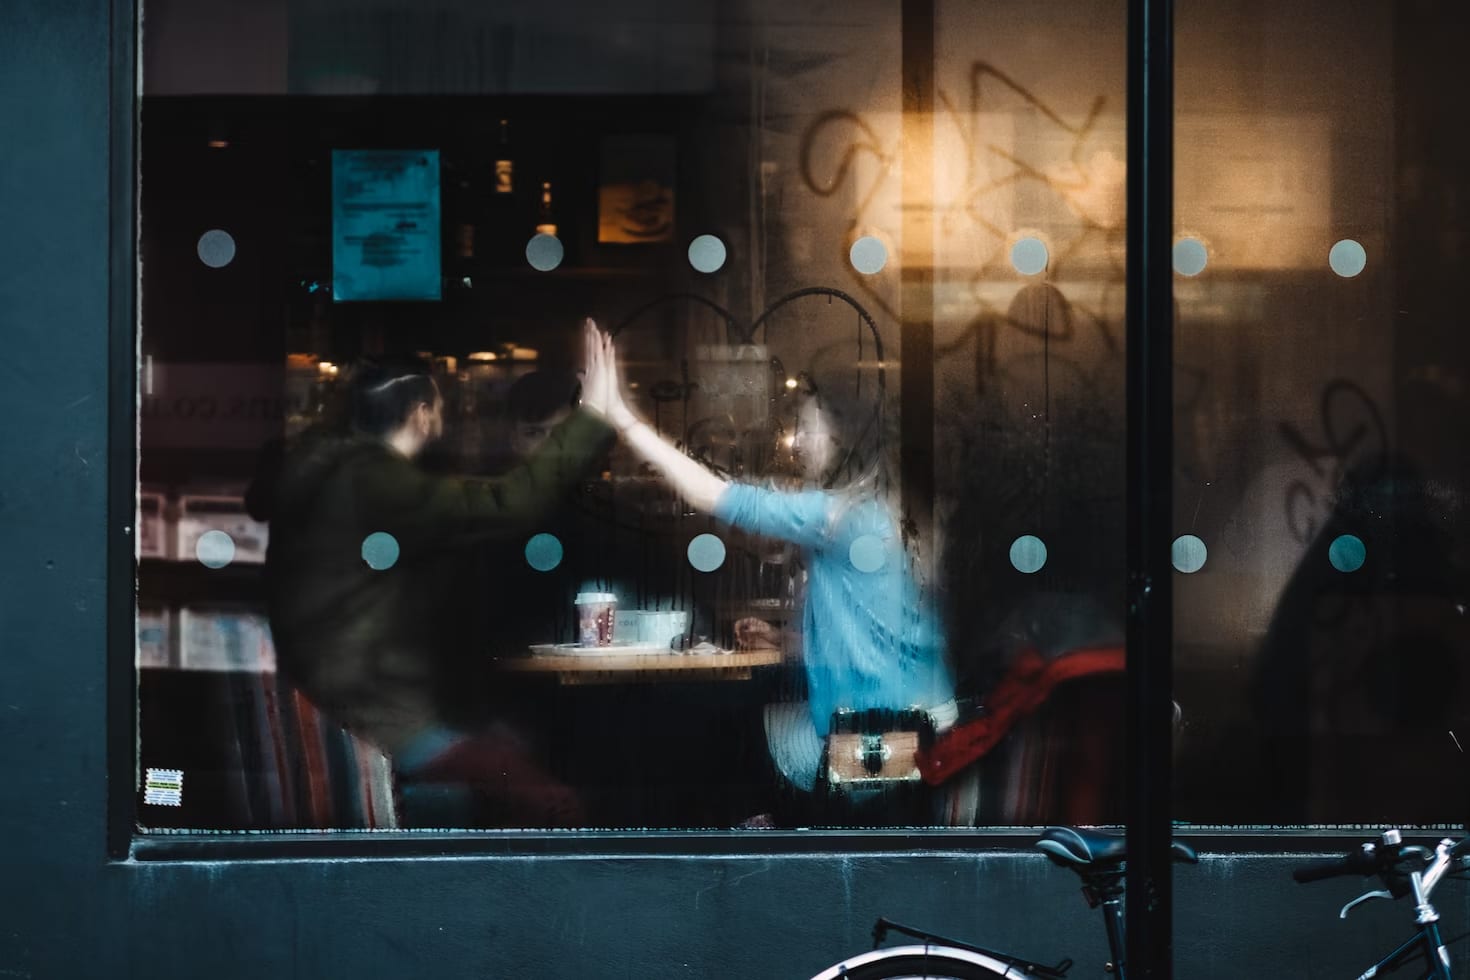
(1113, 920)
(1426, 941)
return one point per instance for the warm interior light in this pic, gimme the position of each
(219, 144)
(481, 356)
(791, 383)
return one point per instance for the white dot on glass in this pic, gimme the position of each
(867, 553)
(1028, 554)
(707, 253)
(1190, 256)
(868, 255)
(216, 248)
(706, 552)
(380, 551)
(1029, 256)
(1188, 554)
(1347, 553)
(214, 549)
(1347, 258)
(544, 252)
(543, 552)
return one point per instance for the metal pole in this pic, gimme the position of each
(916, 342)
(1149, 492)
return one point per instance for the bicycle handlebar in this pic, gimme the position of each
(1402, 868)
(1364, 861)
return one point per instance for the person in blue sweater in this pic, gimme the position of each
(870, 639)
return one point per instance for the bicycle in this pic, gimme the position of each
(1404, 870)
(1098, 858)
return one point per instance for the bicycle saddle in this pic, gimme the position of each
(1079, 849)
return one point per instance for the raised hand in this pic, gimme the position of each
(618, 412)
(603, 392)
(598, 383)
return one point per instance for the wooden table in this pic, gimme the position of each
(615, 668)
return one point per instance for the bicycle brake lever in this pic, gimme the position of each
(1368, 896)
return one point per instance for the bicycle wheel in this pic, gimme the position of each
(921, 963)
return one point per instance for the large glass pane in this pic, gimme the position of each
(853, 554)
(1320, 415)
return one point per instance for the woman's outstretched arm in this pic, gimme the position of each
(691, 479)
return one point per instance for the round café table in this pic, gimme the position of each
(638, 664)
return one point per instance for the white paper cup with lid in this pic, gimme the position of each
(596, 618)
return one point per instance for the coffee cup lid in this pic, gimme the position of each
(588, 598)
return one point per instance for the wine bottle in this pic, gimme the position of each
(505, 163)
(546, 217)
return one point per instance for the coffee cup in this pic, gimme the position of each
(596, 618)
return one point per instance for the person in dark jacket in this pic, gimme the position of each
(363, 548)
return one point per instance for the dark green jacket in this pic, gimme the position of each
(371, 648)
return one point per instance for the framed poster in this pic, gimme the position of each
(635, 199)
(385, 225)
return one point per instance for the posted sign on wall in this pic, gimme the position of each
(385, 225)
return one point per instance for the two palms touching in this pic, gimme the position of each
(602, 392)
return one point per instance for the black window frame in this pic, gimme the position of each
(1148, 385)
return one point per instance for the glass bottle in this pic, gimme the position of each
(546, 216)
(505, 164)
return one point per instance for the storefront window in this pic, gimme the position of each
(1321, 626)
(820, 522)
(831, 568)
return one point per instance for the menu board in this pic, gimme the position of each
(385, 225)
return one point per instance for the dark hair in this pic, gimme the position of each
(384, 394)
(539, 395)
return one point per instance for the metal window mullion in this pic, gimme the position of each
(1149, 486)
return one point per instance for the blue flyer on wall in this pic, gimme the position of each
(385, 225)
